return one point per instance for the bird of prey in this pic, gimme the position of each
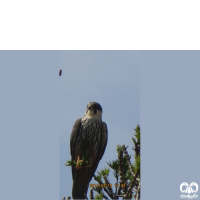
(60, 72)
(89, 139)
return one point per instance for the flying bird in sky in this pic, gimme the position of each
(60, 72)
(87, 145)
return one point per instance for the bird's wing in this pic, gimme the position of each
(73, 139)
(103, 144)
(104, 139)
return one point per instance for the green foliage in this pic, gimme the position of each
(128, 173)
(70, 163)
(115, 166)
(136, 166)
(125, 163)
(136, 140)
(99, 196)
(105, 172)
(98, 189)
(99, 177)
(119, 148)
(125, 168)
(137, 134)
(83, 163)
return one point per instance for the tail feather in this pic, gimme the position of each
(80, 184)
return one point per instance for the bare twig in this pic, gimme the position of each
(105, 197)
(120, 156)
(138, 192)
(129, 192)
(108, 184)
(91, 194)
(129, 163)
(104, 188)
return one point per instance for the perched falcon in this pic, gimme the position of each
(88, 140)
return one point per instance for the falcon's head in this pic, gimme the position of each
(94, 109)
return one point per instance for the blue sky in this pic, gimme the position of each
(36, 117)
(29, 124)
(111, 78)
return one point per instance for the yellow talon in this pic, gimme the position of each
(78, 161)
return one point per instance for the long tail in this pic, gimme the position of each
(80, 184)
